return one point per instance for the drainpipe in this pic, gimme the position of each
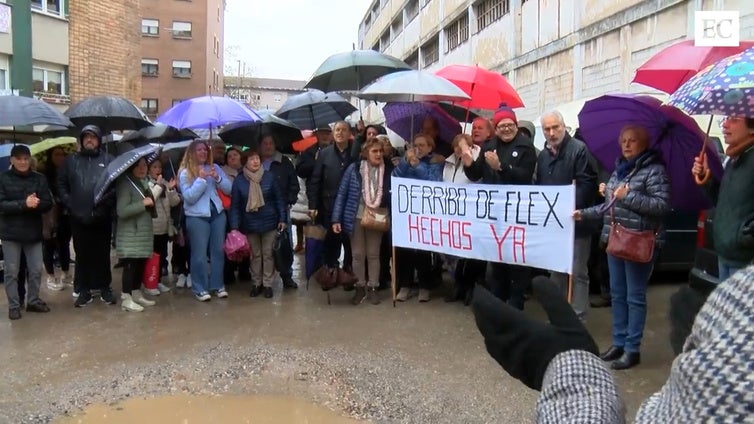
(21, 61)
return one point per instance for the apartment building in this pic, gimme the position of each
(262, 93)
(552, 51)
(181, 51)
(41, 42)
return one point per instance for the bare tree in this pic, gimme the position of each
(238, 78)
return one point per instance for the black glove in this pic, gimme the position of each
(523, 346)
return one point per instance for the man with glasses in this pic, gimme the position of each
(507, 158)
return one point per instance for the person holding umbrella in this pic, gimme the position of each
(200, 179)
(60, 235)
(24, 197)
(91, 223)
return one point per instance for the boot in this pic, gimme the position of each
(139, 298)
(372, 296)
(626, 361)
(612, 354)
(358, 295)
(128, 304)
(458, 294)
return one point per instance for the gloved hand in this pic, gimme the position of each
(523, 346)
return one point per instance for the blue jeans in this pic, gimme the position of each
(206, 233)
(724, 271)
(628, 291)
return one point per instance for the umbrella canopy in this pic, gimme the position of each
(412, 86)
(406, 119)
(17, 111)
(110, 113)
(49, 143)
(674, 134)
(487, 89)
(207, 112)
(725, 88)
(121, 164)
(304, 143)
(460, 113)
(351, 71)
(250, 133)
(315, 109)
(159, 133)
(672, 66)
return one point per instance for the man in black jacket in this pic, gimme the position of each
(91, 224)
(507, 158)
(564, 160)
(308, 157)
(24, 197)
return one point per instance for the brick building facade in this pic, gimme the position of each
(105, 61)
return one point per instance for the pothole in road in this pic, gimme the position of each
(188, 409)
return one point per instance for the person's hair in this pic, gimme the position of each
(430, 140)
(247, 154)
(49, 168)
(461, 137)
(555, 114)
(232, 149)
(379, 128)
(346, 124)
(749, 123)
(487, 123)
(189, 162)
(640, 132)
(368, 145)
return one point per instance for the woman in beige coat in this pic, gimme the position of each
(166, 197)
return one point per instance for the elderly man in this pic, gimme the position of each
(91, 224)
(507, 158)
(564, 160)
(24, 197)
(481, 130)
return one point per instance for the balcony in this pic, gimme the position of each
(53, 98)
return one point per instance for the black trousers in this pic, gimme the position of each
(92, 245)
(61, 244)
(332, 245)
(468, 272)
(509, 282)
(133, 274)
(160, 247)
(410, 260)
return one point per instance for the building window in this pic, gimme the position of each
(412, 10)
(53, 7)
(413, 59)
(150, 67)
(47, 81)
(431, 52)
(150, 27)
(182, 68)
(376, 46)
(425, 3)
(3, 81)
(396, 27)
(149, 106)
(181, 29)
(490, 11)
(457, 33)
(385, 40)
(176, 101)
(278, 98)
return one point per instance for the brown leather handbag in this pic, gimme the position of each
(377, 219)
(631, 245)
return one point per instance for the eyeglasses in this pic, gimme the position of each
(506, 126)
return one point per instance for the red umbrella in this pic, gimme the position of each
(672, 66)
(487, 89)
(301, 145)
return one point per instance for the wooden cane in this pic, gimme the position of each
(702, 178)
(570, 288)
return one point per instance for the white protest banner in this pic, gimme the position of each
(525, 225)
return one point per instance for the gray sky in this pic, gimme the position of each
(290, 38)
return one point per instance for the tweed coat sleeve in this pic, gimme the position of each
(578, 388)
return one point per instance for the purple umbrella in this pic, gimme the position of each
(673, 133)
(406, 119)
(207, 112)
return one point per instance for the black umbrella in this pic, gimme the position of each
(121, 164)
(250, 133)
(461, 114)
(315, 109)
(353, 70)
(17, 111)
(110, 113)
(159, 133)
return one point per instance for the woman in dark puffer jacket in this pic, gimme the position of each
(641, 191)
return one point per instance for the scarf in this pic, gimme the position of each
(625, 167)
(256, 198)
(735, 150)
(371, 183)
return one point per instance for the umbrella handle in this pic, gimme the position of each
(704, 177)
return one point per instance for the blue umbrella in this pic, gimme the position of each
(725, 88)
(121, 164)
(207, 112)
(5, 155)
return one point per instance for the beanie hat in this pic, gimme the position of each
(504, 112)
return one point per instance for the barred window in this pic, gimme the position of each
(457, 33)
(431, 52)
(412, 10)
(385, 40)
(490, 11)
(396, 27)
(413, 60)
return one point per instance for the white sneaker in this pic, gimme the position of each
(75, 295)
(128, 304)
(139, 298)
(152, 292)
(203, 296)
(163, 288)
(67, 278)
(181, 281)
(222, 293)
(188, 281)
(53, 283)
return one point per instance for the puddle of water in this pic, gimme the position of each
(185, 409)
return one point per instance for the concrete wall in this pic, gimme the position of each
(554, 51)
